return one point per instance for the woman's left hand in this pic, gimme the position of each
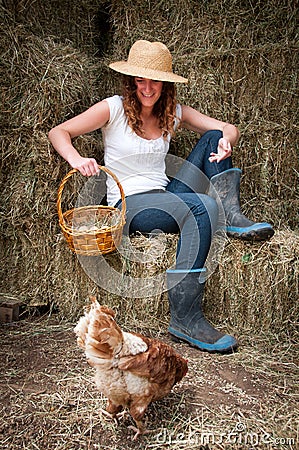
(224, 150)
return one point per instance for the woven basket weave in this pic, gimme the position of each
(91, 242)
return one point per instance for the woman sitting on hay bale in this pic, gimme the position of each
(137, 128)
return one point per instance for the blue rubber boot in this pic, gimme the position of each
(227, 186)
(187, 321)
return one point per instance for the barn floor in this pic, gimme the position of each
(238, 401)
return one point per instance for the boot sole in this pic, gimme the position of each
(252, 235)
(225, 345)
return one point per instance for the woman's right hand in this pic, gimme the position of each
(86, 166)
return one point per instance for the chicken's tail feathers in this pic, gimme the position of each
(98, 333)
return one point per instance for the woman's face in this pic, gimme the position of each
(148, 91)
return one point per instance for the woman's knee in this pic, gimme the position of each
(212, 134)
(211, 209)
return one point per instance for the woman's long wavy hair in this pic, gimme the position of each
(164, 109)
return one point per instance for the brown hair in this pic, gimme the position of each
(164, 109)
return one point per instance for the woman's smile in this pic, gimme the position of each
(148, 91)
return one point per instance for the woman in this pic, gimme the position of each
(137, 129)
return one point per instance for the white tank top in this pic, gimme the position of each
(138, 163)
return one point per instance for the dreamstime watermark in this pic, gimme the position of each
(239, 435)
(115, 281)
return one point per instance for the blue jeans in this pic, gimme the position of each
(183, 208)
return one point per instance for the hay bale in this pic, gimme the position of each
(44, 81)
(256, 286)
(64, 20)
(131, 281)
(29, 226)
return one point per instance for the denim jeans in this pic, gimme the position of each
(183, 207)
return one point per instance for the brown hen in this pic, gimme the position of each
(131, 370)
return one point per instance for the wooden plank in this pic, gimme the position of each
(6, 314)
(14, 305)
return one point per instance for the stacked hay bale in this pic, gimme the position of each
(241, 60)
(42, 81)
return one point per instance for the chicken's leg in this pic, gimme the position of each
(113, 411)
(137, 411)
(140, 430)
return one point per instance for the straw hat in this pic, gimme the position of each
(149, 60)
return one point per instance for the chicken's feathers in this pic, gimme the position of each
(156, 363)
(98, 333)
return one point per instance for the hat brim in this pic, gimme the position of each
(142, 72)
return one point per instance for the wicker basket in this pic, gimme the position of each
(96, 241)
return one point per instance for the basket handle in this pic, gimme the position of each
(66, 178)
